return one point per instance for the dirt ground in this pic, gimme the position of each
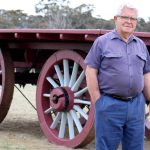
(20, 130)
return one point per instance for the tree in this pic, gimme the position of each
(141, 26)
(59, 15)
(55, 12)
(12, 18)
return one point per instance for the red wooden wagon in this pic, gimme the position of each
(63, 104)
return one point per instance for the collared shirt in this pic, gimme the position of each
(120, 64)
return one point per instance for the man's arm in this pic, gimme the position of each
(146, 90)
(92, 83)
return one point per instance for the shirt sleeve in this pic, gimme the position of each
(147, 64)
(93, 57)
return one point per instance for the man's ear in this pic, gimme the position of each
(115, 18)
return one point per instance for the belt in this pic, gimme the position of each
(121, 98)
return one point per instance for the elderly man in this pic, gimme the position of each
(116, 65)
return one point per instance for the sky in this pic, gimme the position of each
(106, 9)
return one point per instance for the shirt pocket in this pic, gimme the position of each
(111, 60)
(140, 62)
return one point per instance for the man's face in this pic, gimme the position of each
(127, 21)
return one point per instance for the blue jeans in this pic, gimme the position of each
(118, 121)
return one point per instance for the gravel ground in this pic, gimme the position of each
(21, 131)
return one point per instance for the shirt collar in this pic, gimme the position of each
(115, 35)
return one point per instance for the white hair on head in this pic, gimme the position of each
(126, 5)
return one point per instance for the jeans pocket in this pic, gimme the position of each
(99, 100)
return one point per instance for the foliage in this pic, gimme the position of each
(52, 14)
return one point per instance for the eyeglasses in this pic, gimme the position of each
(126, 18)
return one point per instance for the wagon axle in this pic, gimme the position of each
(62, 99)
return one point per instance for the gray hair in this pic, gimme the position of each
(126, 5)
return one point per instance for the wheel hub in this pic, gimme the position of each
(62, 99)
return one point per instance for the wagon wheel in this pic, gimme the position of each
(64, 109)
(6, 83)
(147, 122)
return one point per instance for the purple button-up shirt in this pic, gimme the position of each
(120, 65)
